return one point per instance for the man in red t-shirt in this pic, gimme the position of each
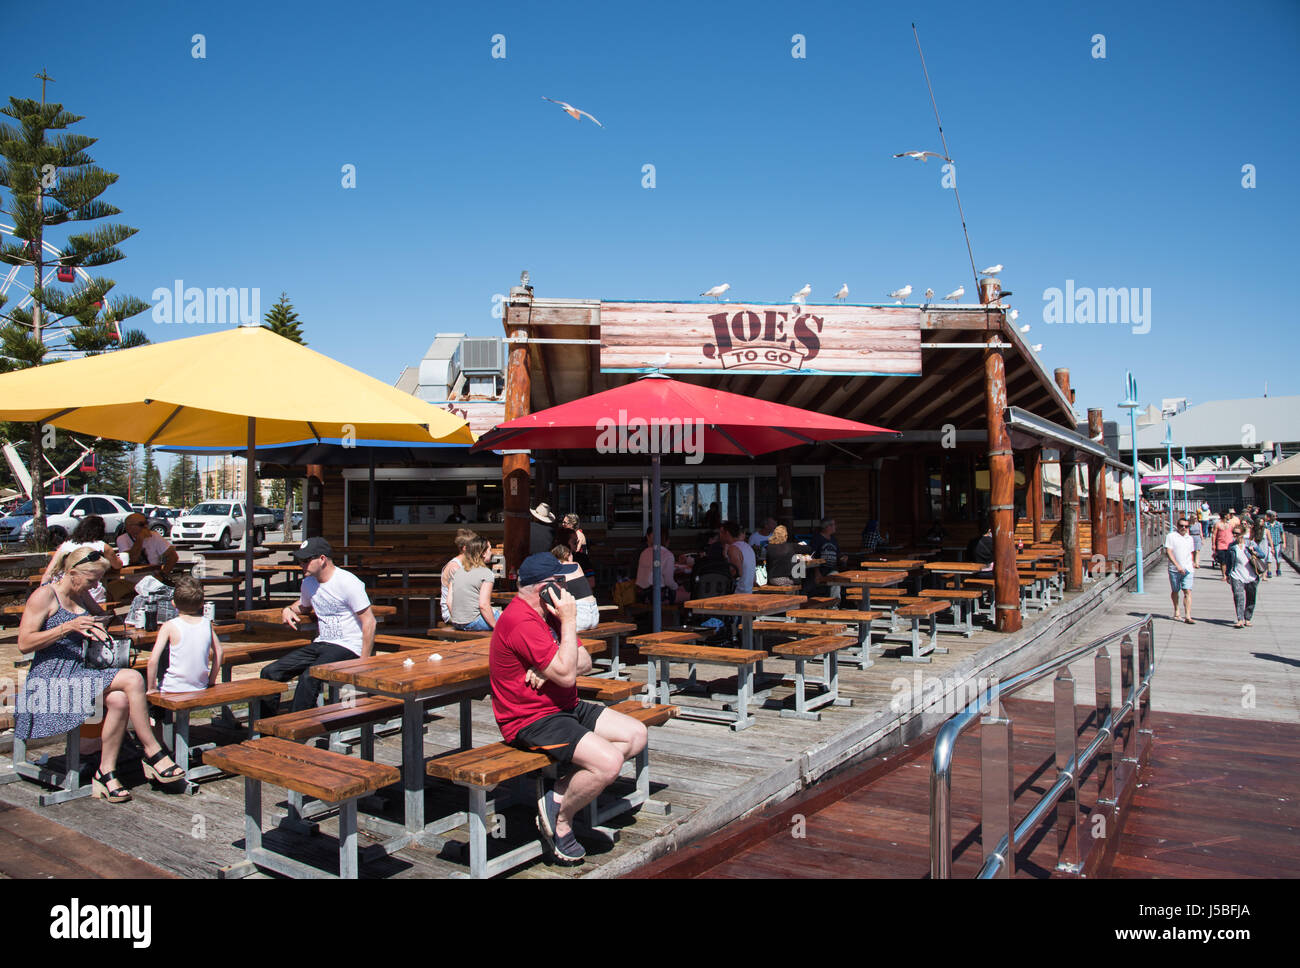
(535, 701)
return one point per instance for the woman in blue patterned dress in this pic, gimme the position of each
(60, 692)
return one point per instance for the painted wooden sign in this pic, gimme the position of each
(743, 337)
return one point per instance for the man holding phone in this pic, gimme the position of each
(534, 671)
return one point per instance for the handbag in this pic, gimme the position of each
(760, 575)
(97, 653)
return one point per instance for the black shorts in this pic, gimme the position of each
(558, 735)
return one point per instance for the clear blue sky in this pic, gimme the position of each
(771, 171)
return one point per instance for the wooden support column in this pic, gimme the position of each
(515, 477)
(784, 497)
(919, 487)
(1097, 492)
(1002, 492)
(1069, 500)
(1034, 497)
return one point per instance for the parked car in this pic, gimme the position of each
(295, 520)
(62, 515)
(277, 514)
(219, 524)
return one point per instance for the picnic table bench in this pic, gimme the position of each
(735, 706)
(325, 775)
(483, 769)
(824, 647)
(926, 608)
(861, 655)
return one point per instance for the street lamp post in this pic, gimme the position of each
(1131, 404)
(1169, 465)
(1186, 489)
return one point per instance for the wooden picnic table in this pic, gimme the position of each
(419, 681)
(913, 566)
(271, 616)
(866, 580)
(235, 557)
(746, 607)
(960, 570)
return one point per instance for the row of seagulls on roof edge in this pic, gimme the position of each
(571, 111)
(898, 294)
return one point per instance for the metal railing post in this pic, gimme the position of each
(1105, 711)
(997, 791)
(1067, 808)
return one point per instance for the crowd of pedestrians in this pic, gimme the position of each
(1245, 551)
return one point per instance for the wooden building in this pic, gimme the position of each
(984, 431)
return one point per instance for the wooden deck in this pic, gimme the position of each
(709, 775)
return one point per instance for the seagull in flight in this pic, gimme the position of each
(956, 294)
(921, 156)
(802, 294)
(990, 271)
(717, 291)
(843, 294)
(570, 110)
(901, 294)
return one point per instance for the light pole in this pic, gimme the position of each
(1131, 404)
(1169, 466)
(1183, 462)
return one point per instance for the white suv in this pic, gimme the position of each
(218, 523)
(62, 515)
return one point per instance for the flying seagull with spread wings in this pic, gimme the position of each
(921, 156)
(571, 111)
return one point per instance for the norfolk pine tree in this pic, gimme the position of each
(47, 182)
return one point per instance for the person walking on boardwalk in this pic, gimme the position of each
(1274, 527)
(1222, 542)
(1243, 575)
(1181, 550)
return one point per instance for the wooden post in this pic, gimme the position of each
(919, 487)
(1002, 493)
(784, 496)
(314, 520)
(515, 477)
(1097, 492)
(1034, 498)
(1069, 500)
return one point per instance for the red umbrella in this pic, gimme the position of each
(657, 415)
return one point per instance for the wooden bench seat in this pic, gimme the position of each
(965, 602)
(924, 608)
(323, 720)
(735, 709)
(606, 690)
(482, 769)
(824, 647)
(449, 634)
(176, 734)
(6, 720)
(322, 774)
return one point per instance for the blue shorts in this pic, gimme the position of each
(1180, 583)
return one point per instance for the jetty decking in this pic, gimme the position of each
(708, 774)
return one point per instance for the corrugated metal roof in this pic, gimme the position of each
(1283, 468)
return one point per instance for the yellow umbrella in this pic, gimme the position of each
(202, 391)
(237, 386)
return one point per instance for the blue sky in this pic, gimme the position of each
(771, 171)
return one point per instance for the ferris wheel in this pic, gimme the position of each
(19, 293)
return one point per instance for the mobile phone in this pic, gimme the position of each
(550, 593)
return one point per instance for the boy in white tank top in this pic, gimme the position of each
(193, 652)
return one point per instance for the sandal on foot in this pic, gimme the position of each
(173, 774)
(100, 790)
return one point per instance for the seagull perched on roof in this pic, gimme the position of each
(921, 156)
(929, 294)
(956, 294)
(992, 270)
(843, 294)
(1037, 347)
(901, 294)
(1024, 328)
(717, 291)
(1013, 315)
(571, 111)
(802, 294)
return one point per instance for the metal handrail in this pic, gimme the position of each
(1137, 668)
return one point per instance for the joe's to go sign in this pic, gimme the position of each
(766, 341)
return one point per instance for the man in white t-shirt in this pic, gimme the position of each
(345, 624)
(139, 545)
(1180, 549)
(762, 535)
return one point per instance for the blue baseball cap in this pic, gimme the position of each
(537, 568)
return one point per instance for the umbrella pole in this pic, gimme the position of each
(657, 565)
(372, 499)
(249, 514)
